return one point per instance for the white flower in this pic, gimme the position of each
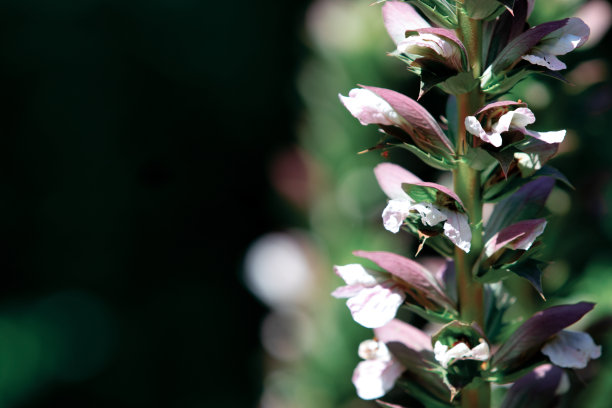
(375, 376)
(390, 177)
(517, 120)
(571, 349)
(569, 37)
(373, 297)
(395, 213)
(370, 108)
(460, 351)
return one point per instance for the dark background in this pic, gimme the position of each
(132, 172)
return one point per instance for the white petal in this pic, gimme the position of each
(395, 213)
(481, 352)
(374, 350)
(430, 215)
(528, 163)
(374, 378)
(457, 229)
(444, 356)
(473, 126)
(354, 274)
(376, 306)
(460, 351)
(370, 108)
(549, 61)
(571, 349)
(556, 136)
(522, 117)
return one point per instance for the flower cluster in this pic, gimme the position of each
(475, 51)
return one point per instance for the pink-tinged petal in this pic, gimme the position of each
(390, 178)
(395, 213)
(571, 349)
(453, 48)
(520, 235)
(499, 104)
(374, 378)
(347, 291)
(556, 136)
(457, 229)
(400, 17)
(411, 273)
(439, 267)
(369, 108)
(417, 121)
(547, 60)
(432, 46)
(404, 333)
(354, 274)
(376, 306)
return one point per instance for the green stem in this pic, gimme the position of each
(466, 182)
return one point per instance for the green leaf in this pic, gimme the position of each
(441, 12)
(432, 73)
(478, 158)
(452, 116)
(497, 302)
(498, 84)
(436, 317)
(458, 331)
(493, 275)
(421, 194)
(531, 270)
(427, 158)
(459, 84)
(481, 9)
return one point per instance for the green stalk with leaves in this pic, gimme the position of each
(475, 51)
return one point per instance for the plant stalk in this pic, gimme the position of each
(466, 182)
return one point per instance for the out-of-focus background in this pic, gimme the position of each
(177, 178)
